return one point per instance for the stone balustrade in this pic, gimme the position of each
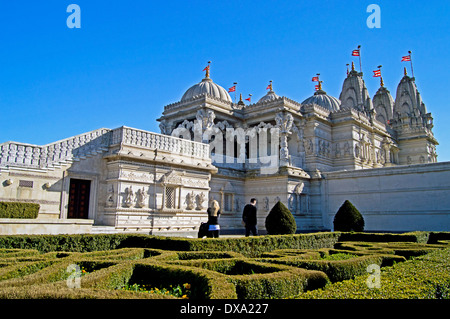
(57, 153)
(92, 143)
(149, 140)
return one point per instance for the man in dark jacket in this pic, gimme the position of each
(249, 218)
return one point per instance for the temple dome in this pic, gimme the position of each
(207, 86)
(270, 96)
(326, 101)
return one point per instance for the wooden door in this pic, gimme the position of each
(79, 193)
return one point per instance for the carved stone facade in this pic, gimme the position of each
(304, 154)
(300, 141)
(139, 181)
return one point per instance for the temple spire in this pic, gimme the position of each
(241, 102)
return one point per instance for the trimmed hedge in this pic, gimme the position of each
(281, 284)
(254, 279)
(19, 210)
(248, 246)
(348, 218)
(338, 269)
(107, 271)
(414, 237)
(205, 284)
(425, 277)
(253, 267)
(280, 221)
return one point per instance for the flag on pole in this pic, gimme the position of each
(249, 99)
(406, 58)
(315, 79)
(232, 89)
(376, 73)
(269, 87)
(316, 87)
(207, 68)
(355, 52)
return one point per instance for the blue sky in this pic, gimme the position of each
(130, 58)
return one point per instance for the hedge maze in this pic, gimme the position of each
(138, 266)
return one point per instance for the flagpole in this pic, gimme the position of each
(381, 77)
(410, 58)
(360, 65)
(235, 83)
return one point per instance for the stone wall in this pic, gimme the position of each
(401, 198)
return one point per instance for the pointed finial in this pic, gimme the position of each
(404, 71)
(320, 85)
(241, 103)
(381, 81)
(207, 70)
(353, 66)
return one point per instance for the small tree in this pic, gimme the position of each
(348, 218)
(280, 220)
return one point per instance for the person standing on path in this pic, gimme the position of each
(249, 218)
(213, 220)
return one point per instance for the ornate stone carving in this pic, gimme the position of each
(110, 196)
(284, 123)
(337, 153)
(347, 150)
(309, 146)
(190, 201)
(141, 197)
(129, 197)
(292, 202)
(266, 204)
(199, 200)
(171, 178)
(357, 150)
(205, 118)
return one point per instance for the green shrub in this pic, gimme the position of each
(280, 220)
(348, 219)
(414, 237)
(285, 266)
(204, 284)
(19, 210)
(255, 246)
(425, 277)
(337, 270)
(276, 285)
